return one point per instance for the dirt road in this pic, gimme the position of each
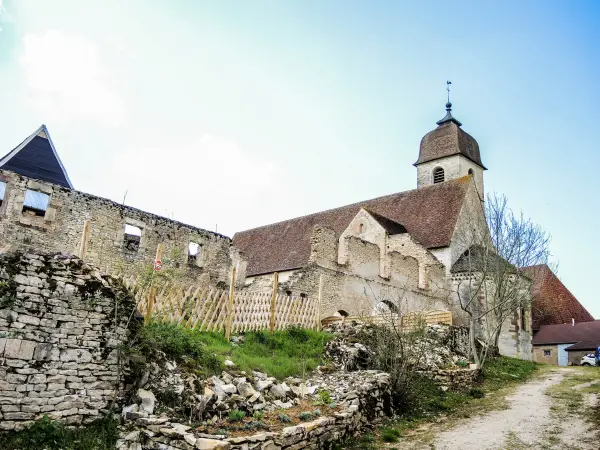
(549, 412)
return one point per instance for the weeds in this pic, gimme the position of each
(53, 435)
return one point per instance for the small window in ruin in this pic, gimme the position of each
(289, 294)
(132, 238)
(342, 313)
(361, 227)
(438, 175)
(303, 296)
(470, 172)
(547, 352)
(2, 191)
(194, 252)
(35, 203)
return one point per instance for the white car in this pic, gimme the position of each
(588, 360)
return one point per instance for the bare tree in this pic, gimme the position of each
(489, 279)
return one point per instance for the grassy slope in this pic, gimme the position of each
(293, 352)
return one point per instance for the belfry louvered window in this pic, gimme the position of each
(438, 175)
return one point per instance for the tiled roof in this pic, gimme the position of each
(429, 215)
(584, 345)
(567, 333)
(446, 140)
(552, 301)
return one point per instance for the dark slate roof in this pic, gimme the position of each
(567, 333)
(388, 225)
(553, 303)
(474, 259)
(584, 345)
(37, 158)
(429, 215)
(446, 140)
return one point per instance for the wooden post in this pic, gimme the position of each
(319, 304)
(273, 302)
(152, 296)
(230, 307)
(84, 238)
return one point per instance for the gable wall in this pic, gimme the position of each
(61, 228)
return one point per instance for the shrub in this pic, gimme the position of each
(258, 415)
(325, 397)
(462, 363)
(236, 415)
(305, 415)
(284, 418)
(53, 435)
(390, 435)
(317, 412)
(476, 393)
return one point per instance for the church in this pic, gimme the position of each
(400, 252)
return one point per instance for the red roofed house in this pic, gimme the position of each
(564, 344)
(361, 257)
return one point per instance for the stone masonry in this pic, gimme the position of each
(59, 229)
(60, 325)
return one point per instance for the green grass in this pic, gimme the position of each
(53, 435)
(292, 352)
(498, 372)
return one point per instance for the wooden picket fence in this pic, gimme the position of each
(208, 309)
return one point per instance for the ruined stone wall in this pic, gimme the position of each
(60, 325)
(60, 228)
(357, 287)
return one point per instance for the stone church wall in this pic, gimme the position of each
(60, 228)
(60, 325)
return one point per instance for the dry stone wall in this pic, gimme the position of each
(60, 325)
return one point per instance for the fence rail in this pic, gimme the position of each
(409, 321)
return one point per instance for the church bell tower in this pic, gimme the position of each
(447, 153)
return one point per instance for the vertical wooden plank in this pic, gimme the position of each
(230, 306)
(87, 225)
(151, 299)
(273, 302)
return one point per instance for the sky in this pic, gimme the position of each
(233, 114)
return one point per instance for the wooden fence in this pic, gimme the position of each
(407, 322)
(212, 309)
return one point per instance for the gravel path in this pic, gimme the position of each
(528, 422)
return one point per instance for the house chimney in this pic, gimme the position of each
(573, 321)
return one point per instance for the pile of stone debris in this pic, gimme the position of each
(439, 346)
(146, 427)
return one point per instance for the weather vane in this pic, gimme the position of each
(448, 83)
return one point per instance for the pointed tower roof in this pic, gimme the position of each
(448, 139)
(36, 157)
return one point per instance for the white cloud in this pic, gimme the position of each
(68, 80)
(207, 181)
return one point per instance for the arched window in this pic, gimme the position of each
(471, 172)
(438, 175)
(361, 227)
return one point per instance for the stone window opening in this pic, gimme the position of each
(547, 352)
(35, 203)
(132, 237)
(438, 175)
(194, 252)
(2, 191)
(470, 172)
(361, 228)
(523, 319)
(342, 313)
(303, 296)
(288, 294)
